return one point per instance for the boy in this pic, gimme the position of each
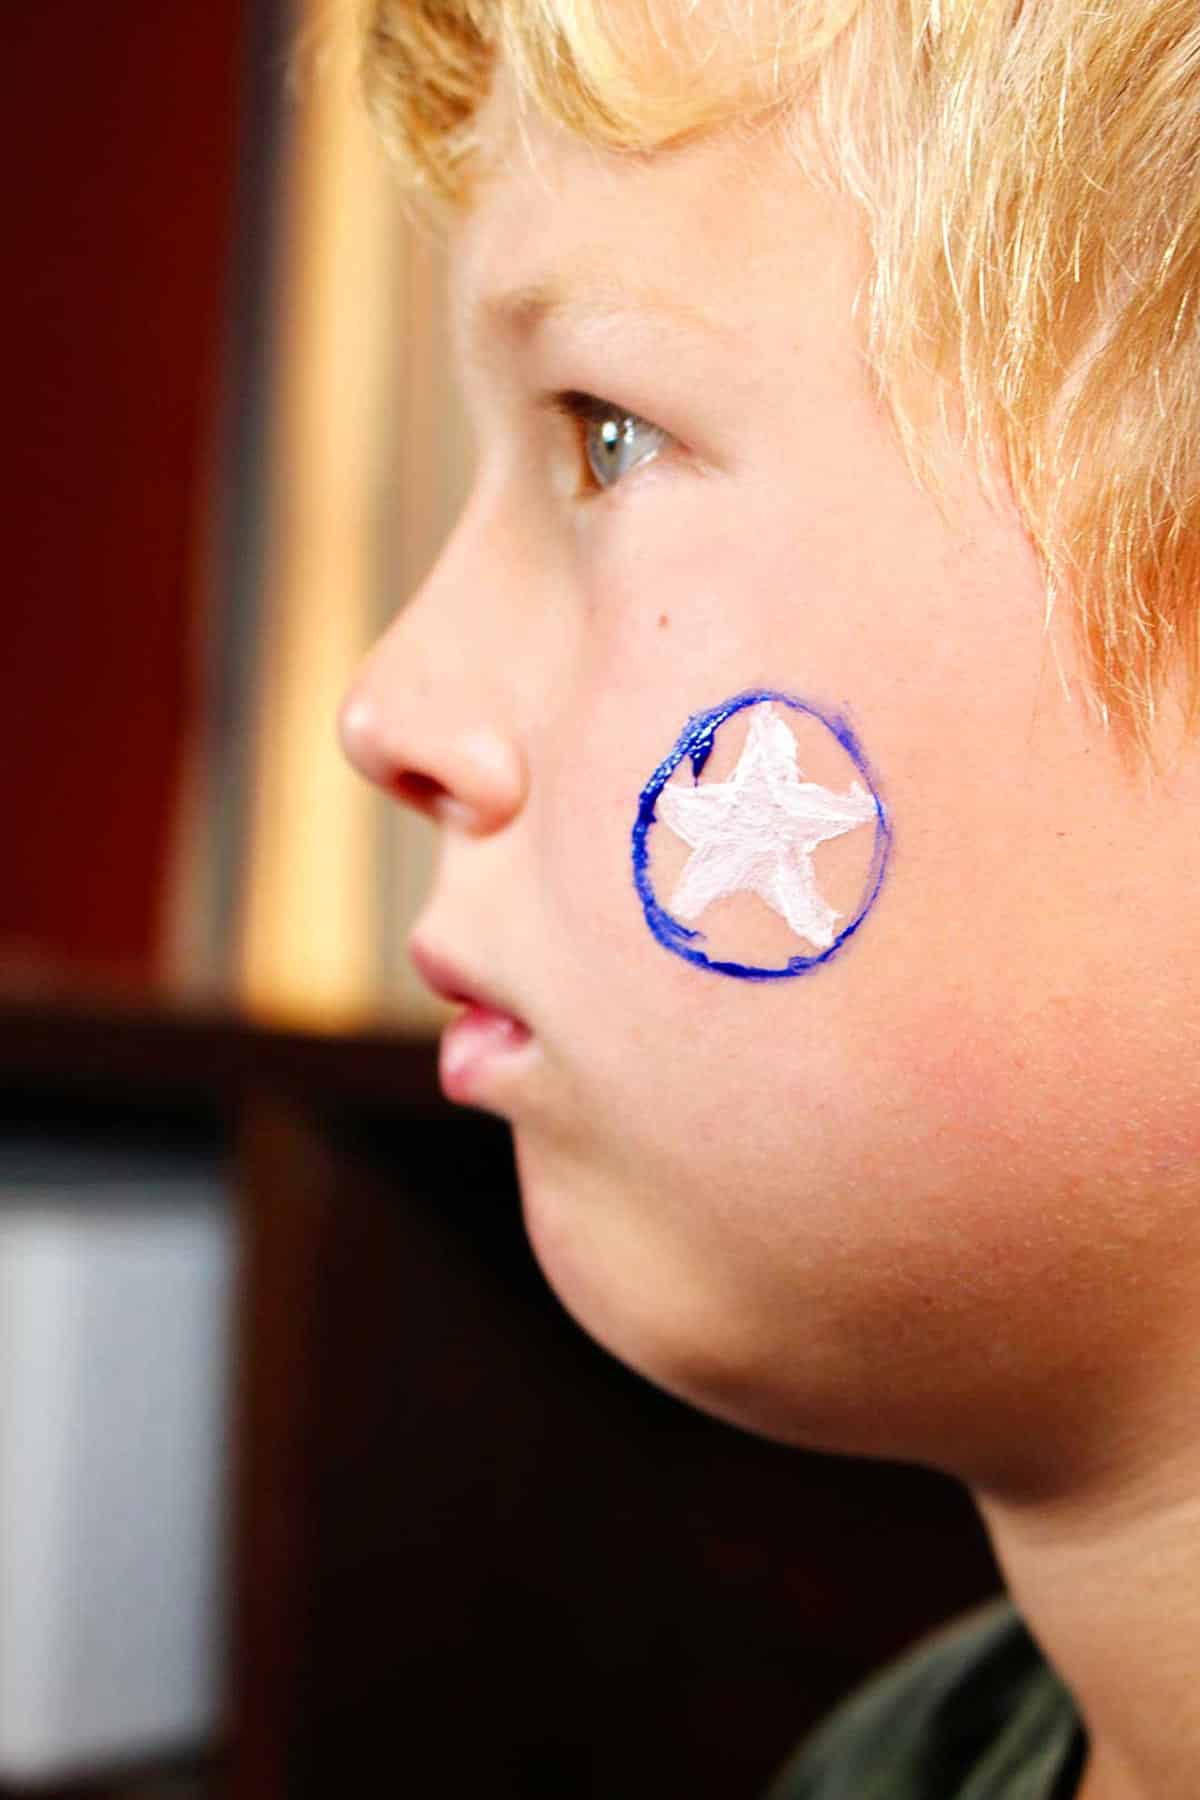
(805, 696)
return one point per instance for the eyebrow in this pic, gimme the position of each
(515, 315)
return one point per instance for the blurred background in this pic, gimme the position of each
(237, 449)
(305, 1482)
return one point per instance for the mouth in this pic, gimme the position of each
(479, 1047)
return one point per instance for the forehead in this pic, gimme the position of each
(723, 227)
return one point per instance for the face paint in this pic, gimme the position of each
(700, 845)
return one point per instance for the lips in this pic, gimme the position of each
(481, 1042)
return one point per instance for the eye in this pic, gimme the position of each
(613, 440)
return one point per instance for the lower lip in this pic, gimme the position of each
(473, 1047)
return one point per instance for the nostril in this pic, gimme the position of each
(416, 790)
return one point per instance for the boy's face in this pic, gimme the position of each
(876, 1206)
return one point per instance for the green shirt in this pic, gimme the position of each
(973, 1713)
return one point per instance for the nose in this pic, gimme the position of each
(427, 719)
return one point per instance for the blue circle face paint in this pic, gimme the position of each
(728, 870)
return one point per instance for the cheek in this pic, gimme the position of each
(648, 1030)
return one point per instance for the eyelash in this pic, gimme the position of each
(583, 410)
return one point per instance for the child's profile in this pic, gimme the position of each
(806, 699)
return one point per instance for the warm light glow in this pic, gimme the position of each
(353, 463)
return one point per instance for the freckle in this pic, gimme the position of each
(663, 621)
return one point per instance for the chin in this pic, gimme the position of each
(627, 1295)
(823, 1388)
(560, 1216)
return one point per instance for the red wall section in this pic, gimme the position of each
(118, 138)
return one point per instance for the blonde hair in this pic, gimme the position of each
(1030, 175)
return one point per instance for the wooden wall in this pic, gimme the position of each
(118, 136)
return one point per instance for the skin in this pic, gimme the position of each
(936, 1200)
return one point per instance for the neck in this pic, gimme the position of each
(1108, 1580)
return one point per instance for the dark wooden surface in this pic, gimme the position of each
(473, 1553)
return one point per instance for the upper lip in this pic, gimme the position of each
(446, 979)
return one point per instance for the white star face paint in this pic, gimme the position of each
(727, 867)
